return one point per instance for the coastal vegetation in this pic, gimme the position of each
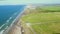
(43, 20)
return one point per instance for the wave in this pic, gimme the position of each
(6, 23)
(1, 32)
(15, 13)
(2, 26)
(6, 28)
(9, 19)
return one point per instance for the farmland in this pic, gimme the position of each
(46, 20)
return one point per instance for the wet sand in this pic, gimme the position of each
(16, 26)
(16, 29)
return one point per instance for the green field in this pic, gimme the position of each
(44, 22)
(51, 7)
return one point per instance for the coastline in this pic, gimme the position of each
(13, 26)
(26, 30)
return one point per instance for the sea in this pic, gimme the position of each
(8, 13)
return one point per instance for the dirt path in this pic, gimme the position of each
(25, 28)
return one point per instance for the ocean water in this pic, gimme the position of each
(8, 13)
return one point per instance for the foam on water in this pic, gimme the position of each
(5, 26)
(2, 26)
(6, 23)
(9, 19)
(1, 32)
(15, 13)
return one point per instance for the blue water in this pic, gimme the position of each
(8, 13)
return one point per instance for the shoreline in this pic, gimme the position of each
(14, 22)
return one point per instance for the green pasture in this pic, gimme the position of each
(44, 23)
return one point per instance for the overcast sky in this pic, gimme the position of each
(6, 2)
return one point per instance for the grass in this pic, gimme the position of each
(49, 22)
(50, 8)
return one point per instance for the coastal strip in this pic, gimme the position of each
(13, 29)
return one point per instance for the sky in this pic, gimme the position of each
(8, 2)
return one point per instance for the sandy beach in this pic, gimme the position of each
(15, 27)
